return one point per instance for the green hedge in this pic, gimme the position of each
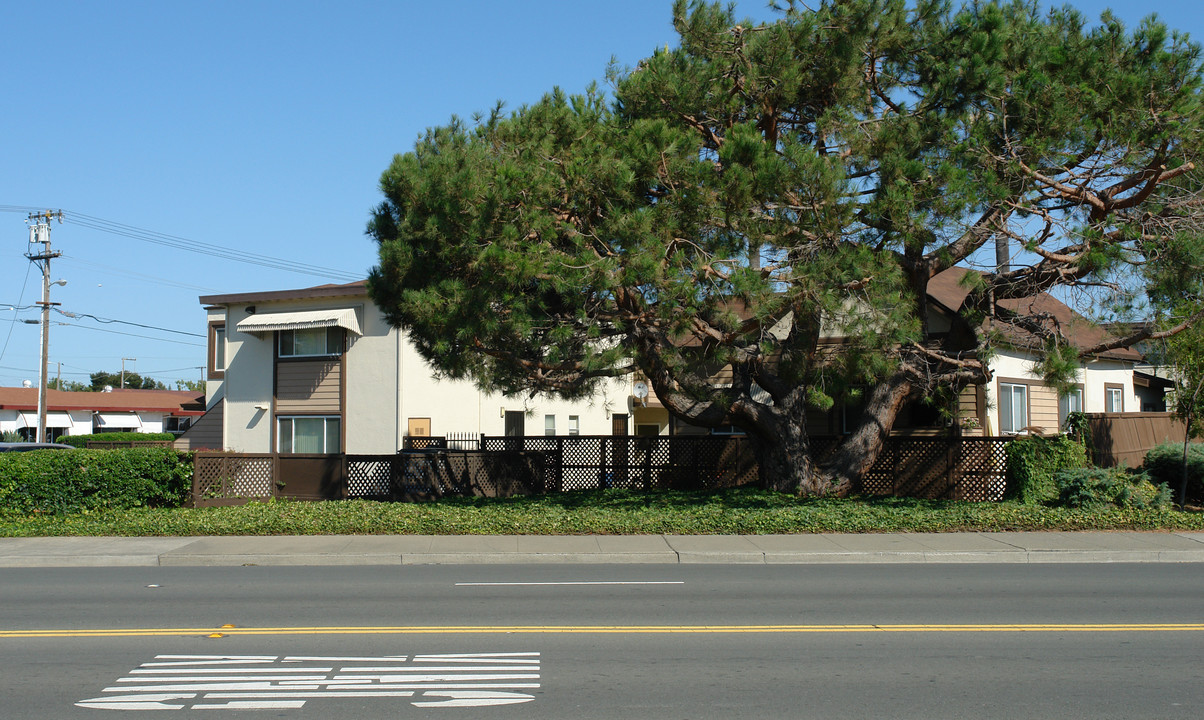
(1164, 464)
(72, 481)
(81, 441)
(1033, 464)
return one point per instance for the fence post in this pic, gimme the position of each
(602, 462)
(951, 468)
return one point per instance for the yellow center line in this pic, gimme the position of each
(599, 629)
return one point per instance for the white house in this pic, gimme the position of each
(319, 370)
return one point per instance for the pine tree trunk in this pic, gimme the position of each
(856, 454)
(784, 457)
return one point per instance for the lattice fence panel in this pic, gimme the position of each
(372, 476)
(225, 477)
(983, 469)
(923, 468)
(251, 477)
(880, 479)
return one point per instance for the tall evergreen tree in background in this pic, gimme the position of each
(740, 200)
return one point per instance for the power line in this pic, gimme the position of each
(126, 322)
(73, 260)
(118, 332)
(16, 306)
(182, 243)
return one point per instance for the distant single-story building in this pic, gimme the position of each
(86, 413)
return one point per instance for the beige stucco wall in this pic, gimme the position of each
(371, 385)
(1108, 372)
(1043, 401)
(248, 383)
(456, 406)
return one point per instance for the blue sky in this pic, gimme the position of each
(260, 127)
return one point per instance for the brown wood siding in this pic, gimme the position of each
(205, 433)
(969, 412)
(1043, 408)
(312, 386)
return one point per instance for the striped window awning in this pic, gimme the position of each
(53, 420)
(302, 320)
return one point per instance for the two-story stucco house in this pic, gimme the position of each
(319, 370)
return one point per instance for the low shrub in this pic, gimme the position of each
(1096, 488)
(81, 441)
(73, 481)
(1033, 464)
(1164, 464)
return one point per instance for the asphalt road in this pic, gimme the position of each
(716, 641)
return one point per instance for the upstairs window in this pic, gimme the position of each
(217, 350)
(311, 342)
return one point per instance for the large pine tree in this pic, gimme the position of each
(763, 189)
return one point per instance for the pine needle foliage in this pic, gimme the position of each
(774, 199)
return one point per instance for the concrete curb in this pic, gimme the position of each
(1031, 548)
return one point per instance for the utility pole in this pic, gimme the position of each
(123, 370)
(39, 232)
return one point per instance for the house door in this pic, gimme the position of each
(618, 424)
(515, 420)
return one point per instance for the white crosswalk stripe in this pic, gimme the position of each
(268, 682)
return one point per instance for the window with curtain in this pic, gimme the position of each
(1071, 402)
(1114, 398)
(1013, 407)
(311, 342)
(313, 435)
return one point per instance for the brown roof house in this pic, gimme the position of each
(1015, 401)
(85, 413)
(1017, 398)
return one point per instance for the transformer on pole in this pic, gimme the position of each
(39, 232)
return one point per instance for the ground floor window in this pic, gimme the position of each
(29, 434)
(1071, 402)
(1114, 398)
(1013, 408)
(176, 425)
(301, 434)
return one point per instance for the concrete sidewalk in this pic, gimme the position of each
(1002, 547)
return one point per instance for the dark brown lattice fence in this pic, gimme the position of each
(232, 478)
(936, 468)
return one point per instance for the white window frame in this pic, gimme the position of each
(334, 335)
(574, 424)
(1013, 424)
(1114, 393)
(290, 442)
(1067, 404)
(549, 425)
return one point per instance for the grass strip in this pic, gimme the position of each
(743, 511)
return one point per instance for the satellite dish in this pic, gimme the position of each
(641, 390)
